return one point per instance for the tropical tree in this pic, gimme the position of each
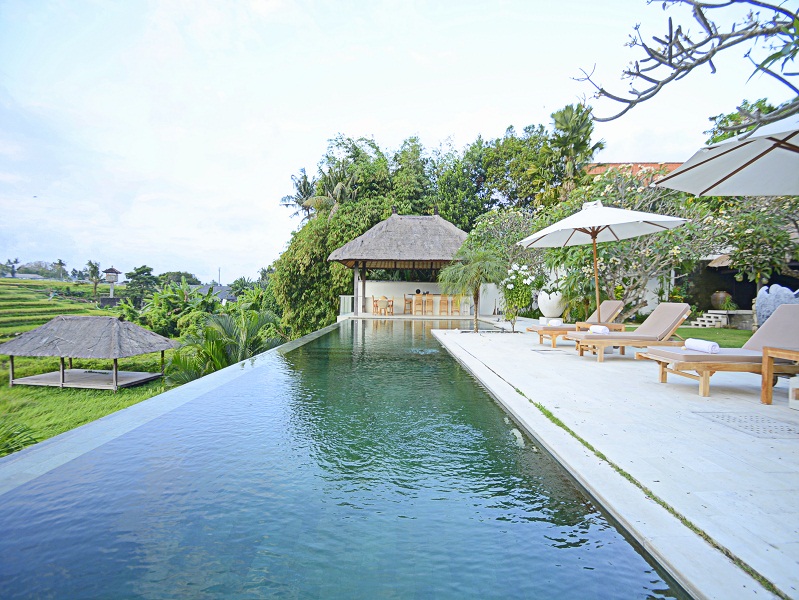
(768, 30)
(470, 270)
(93, 275)
(759, 235)
(628, 266)
(304, 190)
(459, 185)
(141, 283)
(726, 126)
(178, 277)
(571, 142)
(224, 340)
(499, 230)
(60, 264)
(410, 178)
(12, 266)
(512, 167)
(175, 309)
(336, 185)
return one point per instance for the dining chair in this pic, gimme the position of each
(374, 305)
(443, 305)
(390, 307)
(382, 306)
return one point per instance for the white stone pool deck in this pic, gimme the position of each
(727, 463)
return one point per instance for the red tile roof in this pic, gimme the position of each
(599, 168)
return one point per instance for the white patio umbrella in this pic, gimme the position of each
(596, 223)
(764, 164)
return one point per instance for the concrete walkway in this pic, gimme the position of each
(727, 464)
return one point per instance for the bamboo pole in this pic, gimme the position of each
(11, 372)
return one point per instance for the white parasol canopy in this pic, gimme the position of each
(596, 223)
(765, 164)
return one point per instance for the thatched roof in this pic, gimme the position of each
(403, 242)
(86, 337)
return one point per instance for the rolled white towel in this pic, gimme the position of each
(555, 322)
(701, 346)
(598, 329)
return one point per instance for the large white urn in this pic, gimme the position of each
(551, 304)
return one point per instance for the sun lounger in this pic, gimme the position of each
(781, 330)
(656, 330)
(609, 309)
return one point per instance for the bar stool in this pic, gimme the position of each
(443, 305)
(428, 304)
(456, 305)
(418, 304)
(408, 307)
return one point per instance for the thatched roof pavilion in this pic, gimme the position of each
(87, 337)
(400, 242)
(403, 242)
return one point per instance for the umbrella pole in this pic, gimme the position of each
(596, 282)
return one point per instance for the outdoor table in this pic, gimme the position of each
(769, 354)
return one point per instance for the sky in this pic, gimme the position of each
(165, 132)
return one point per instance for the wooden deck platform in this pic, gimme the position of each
(95, 379)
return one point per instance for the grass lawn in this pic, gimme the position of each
(46, 411)
(726, 338)
(42, 412)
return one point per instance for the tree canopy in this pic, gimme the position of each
(768, 31)
(358, 184)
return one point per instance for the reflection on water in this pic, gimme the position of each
(364, 464)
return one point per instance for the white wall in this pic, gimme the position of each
(489, 295)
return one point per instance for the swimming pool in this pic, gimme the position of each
(366, 463)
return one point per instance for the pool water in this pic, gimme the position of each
(364, 464)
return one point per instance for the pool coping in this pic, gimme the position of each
(702, 570)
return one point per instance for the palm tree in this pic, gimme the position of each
(470, 269)
(304, 190)
(339, 185)
(572, 142)
(60, 264)
(12, 264)
(223, 341)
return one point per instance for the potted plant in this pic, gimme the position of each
(718, 298)
(551, 301)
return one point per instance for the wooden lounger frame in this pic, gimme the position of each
(554, 333)
(704, 370)
(598, 346)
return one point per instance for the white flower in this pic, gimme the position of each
(515, 267)
(510, 286)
